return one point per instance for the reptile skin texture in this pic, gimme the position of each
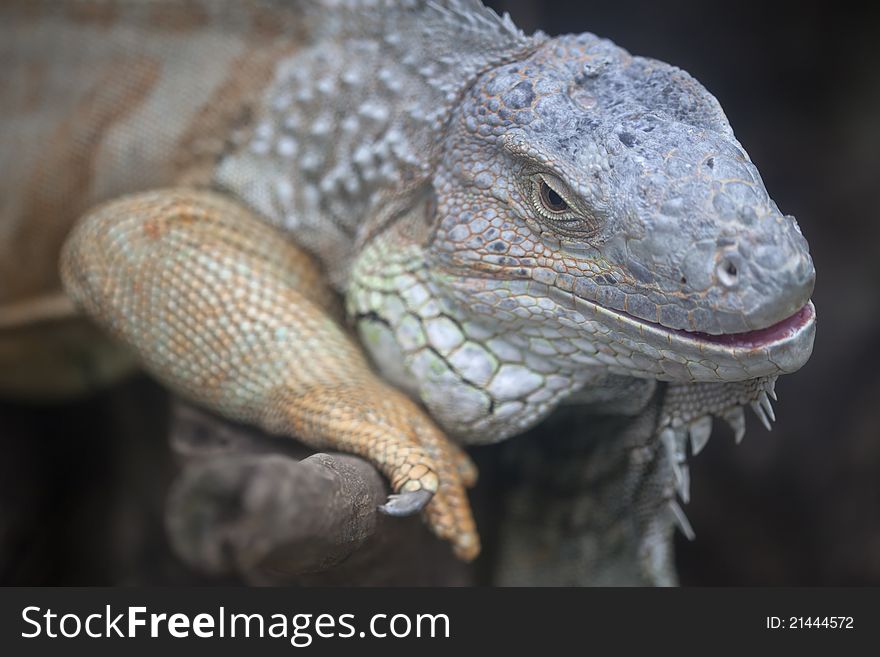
(228, 312)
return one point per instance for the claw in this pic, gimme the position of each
(736, 418)
(772, 390)
(762, 415)
(681, 520)
(700, 430)
(407, 503)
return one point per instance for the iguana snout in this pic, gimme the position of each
(696, 234)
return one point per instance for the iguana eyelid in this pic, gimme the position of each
(573, 222)
(554, 183)
(535, 168)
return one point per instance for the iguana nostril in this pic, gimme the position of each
(728, 271)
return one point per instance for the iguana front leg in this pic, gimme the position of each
(228, 312)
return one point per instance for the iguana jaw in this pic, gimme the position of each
(778, 349)
(791, 328)
(792, 336)
(787, 329)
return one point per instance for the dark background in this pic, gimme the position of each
(801, 87)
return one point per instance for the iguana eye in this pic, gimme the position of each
(552, 201)
(548, 199)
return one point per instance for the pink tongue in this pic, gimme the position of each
(783, 329)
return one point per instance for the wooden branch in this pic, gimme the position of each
(262, 508)
(269, 513)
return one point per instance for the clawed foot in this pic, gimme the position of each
(448, 512)
(431, 475)
(439, 491)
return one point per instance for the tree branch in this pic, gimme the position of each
(262, 508)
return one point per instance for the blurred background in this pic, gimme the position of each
(80, 504)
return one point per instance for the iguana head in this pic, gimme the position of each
(604, 196)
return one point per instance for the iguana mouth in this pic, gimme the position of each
(783, 330)
(789, 341)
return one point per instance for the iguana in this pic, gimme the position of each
(510, 221)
